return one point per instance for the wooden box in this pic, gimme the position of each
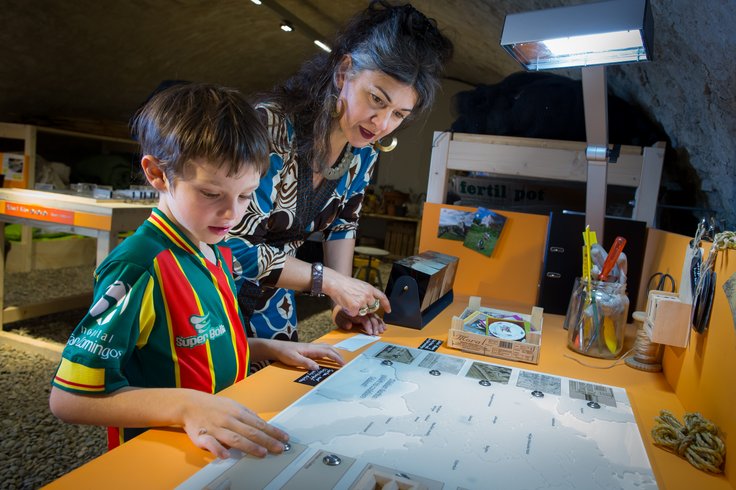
(525, 350)
(668, 319)
(400, 238)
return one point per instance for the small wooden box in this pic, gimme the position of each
(526, 350)
(668, 319)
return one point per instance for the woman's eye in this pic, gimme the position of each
(376, 99)
(399, 115)
(209, 195)
(243, 197)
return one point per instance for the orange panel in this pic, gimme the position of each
(96, 221)
(512, 271)
(39, 213)
(703, 375)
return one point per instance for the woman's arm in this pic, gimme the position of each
(212, 422)
(347, 293)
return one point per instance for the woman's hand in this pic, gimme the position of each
(370, 323)
(353, 295)
(216, 423)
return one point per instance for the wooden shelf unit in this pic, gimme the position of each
(32, 141)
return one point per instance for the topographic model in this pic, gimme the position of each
(415, 419)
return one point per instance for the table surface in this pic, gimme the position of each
(71, 201)
(371, 251)
(164, 458)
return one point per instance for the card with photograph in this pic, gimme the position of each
(484, 232)
(454, 224)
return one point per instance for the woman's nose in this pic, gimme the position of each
(382, 120)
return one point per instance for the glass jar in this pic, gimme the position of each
(596, 318)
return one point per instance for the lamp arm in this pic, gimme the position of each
(595, 101)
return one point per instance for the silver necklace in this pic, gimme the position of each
(337, 171)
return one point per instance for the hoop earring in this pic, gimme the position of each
(339, 109)
(385, 149)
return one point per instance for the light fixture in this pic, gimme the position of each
(322, 45)
(286, 26)
(292, 22)
(590, 36)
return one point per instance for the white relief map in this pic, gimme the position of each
(397, 417)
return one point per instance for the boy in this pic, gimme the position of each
(164, 332)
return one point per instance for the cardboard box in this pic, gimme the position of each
(525, 350)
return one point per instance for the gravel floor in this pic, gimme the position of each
(36, 448)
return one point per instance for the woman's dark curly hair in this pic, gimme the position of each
(398, 40)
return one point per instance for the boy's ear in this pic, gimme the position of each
(154, 173)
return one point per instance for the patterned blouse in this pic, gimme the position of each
(285, 210)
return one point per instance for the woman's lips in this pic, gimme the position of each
(366, 134)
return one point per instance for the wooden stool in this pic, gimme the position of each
(369, 253)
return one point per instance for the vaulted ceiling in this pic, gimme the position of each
(99, 59)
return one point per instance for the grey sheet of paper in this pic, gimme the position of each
(729, 287)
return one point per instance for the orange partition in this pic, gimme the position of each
(703, 374)
(512, 271)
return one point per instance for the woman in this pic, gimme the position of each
(326, 124)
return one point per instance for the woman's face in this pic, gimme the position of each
(375, 105)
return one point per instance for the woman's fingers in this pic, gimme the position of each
(358, 297)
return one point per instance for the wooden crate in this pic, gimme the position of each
(51, 254)
(399, 240)
(488, 345)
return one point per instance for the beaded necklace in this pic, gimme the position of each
(337, 171)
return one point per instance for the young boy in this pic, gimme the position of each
(164, 332)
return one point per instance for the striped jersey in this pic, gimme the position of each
(162, 317)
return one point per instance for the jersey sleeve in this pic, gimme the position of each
(93, 358)
(345, 225)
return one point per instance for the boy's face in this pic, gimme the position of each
(206, 203)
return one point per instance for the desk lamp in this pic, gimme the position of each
(590, 36)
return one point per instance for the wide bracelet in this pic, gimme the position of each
(317, 274)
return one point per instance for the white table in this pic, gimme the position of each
(102, 219)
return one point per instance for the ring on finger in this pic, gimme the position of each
(374, 307)
(363, 311)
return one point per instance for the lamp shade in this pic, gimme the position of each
(602, 33)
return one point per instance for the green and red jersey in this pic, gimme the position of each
(162, 316)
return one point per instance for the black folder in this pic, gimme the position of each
(563, 257)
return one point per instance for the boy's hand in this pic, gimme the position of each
(301, 354)
(216, 423)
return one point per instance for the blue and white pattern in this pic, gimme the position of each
(272, 229)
